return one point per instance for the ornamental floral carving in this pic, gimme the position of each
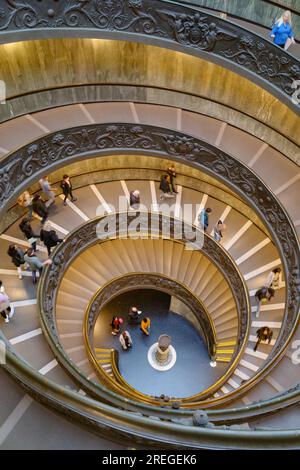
(177, 23)
(20, 169)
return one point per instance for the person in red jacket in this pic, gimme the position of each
(115, 325)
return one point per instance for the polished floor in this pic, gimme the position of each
(191, 373)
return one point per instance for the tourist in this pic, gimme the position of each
(165, 187)
(40, 208)
(218, 231)
(263, 295)
(25, 200)
(6, 311)
(145, 326)
(134, 314)
(273, 279)
(115, 325)
(263, 334)
(172, 174)
(125, 340)
(67, 188)
(134, 199)
(50, 239)
(17, 256)
(27, 230)
(204, 218)
(282, 32)
(35, 264)
(47, 190)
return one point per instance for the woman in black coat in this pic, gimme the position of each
(50, 239)
(67, 189)
(27, 230)
(17, 256)
(40, 208)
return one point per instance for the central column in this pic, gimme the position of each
(163, 349)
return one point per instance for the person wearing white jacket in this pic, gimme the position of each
(6, 311)
(125, 340)
(273, 279)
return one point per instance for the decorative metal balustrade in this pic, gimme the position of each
(158, 225)
(22, 168)
(159, 22)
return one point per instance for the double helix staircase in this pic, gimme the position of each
(260, 395)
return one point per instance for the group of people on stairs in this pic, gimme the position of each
(30, 259)
(40, 207)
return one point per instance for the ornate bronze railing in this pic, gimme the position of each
(261, 12)
(156, 281)
(129, 427)
(152, 225)
(159, 282)
(22, 168)
(159, 22)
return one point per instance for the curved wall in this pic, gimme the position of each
(38, 65)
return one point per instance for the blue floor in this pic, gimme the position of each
(191, 373)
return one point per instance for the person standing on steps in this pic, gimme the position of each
(263, 334)
(35, 264)
(6, 311)
(263, 295)
(125, 340)
(49, 238)
(273, 279)
(165, 187)
(17, 256)
(172, 174)
(25, 200)
(145, 326)
(282, 32)
(47, 190)
(204, 218)
(27, 230)
(134, 199)
(67, 189)
(218, 231)
(39, 207)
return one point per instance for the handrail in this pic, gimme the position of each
(230, 8)
(163, 23)
(159, 281)
(87, 235)
(109, 421)
(24, 167)
(28, 164)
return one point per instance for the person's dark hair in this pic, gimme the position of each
(11, 250)
(145, 319)
(220, 222)
(277, 270)
(36, 197)
(30, 251)
(208, 210)
(65, 177)
(1, 283)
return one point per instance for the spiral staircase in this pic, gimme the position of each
(114, 127)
